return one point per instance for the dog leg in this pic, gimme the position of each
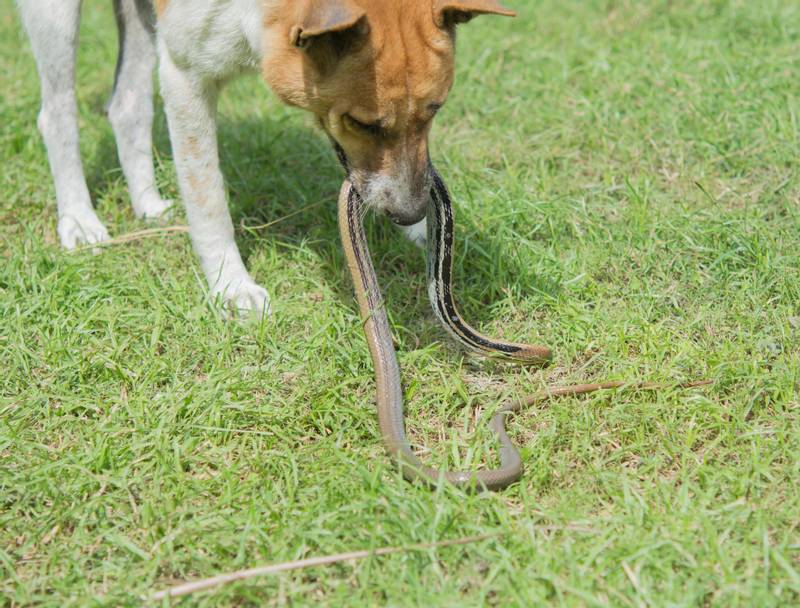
(130, 109)
(191, 114)
(52, 26)
(417, 233)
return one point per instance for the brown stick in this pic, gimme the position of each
(206, 583)
(134, 236)
(319, 203)
(154, 232)
(581, 389)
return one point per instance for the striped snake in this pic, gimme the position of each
(440, 289)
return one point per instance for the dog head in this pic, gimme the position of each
(375, 73)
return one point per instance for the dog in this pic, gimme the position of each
(374, 73)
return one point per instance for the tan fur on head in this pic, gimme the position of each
(450, 12)
(161, 6)
(313, 19)
(374, 72)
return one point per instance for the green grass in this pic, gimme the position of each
(628, 192)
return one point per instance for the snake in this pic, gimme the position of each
(440, 237)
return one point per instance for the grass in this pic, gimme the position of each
(628, 192)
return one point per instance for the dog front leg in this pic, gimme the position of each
(52, 26)
(190, 104)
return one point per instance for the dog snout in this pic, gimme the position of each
(407, 216)
(404, 202)
(409, 209)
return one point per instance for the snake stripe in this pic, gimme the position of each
(440, 281)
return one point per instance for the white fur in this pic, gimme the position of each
(417, 233)
(201, 45)
(130, 109)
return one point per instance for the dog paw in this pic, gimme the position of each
(417, 233)
(243, 298)
(151, 207)
(81, 228)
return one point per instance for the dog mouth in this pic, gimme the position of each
(377, 198)
(401, 207)
(405, 219)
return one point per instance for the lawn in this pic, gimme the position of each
(627, 189)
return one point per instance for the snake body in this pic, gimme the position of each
(440, 289)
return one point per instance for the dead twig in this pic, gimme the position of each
(222, 579)
(167, 230)
(319, 203)
(134, 236)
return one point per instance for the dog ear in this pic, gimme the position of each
(318, 18)
(449, 13)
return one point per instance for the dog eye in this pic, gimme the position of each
(374, 129)
(433, 110)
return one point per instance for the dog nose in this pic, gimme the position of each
(406, 217)
(409, 210)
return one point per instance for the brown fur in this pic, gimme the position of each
(395, 65)
(161, 6)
